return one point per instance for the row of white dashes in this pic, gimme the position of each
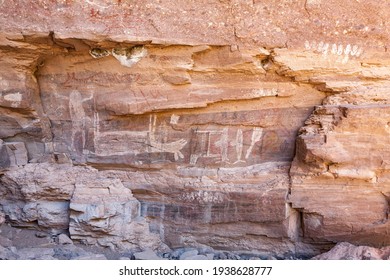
(335, 49)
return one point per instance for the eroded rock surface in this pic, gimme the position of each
(347, 251)
(104, 212)
(62, 197)
(244, 126)
(341, 159)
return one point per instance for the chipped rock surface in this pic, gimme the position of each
(347, 251)
(248, 126)
(60, 197)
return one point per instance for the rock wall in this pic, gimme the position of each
(239, 125)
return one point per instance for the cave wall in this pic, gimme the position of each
(240, 125)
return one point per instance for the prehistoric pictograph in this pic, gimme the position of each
(342, 52)
(216, 144)
(135, 142)
(221, 145)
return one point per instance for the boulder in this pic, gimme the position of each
(148, 254)
(347, 251)
(63, 239)
(7, 254)
(104, 212)
(188, 255)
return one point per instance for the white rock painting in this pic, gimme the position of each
(344, 52)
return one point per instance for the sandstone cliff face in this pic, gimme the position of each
(241, 125)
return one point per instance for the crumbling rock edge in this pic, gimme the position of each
(176, 177)
(28, 244)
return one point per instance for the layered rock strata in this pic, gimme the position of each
(60, 197)
(339, 172)
(252, 126)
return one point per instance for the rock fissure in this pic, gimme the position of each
(242, 132)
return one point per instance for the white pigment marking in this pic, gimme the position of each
(131, 58)
(13, 97)
(174, 119)
(100, 5)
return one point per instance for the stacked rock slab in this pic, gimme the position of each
(339, 174)
(103, 212)
(343, 159)
(247, 125)
(62, 197)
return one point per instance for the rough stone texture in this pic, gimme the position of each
(255, 126)
(148, 254)
(347, 251)
(63, 239)
(25, 244)
(38, 195)
(61, 197)
(12, 154)
(2, 218)
(188, 255)
(6, 254)
(104, 212)
(339, 174)
(342, 158)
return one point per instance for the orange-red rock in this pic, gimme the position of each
(241, 125)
